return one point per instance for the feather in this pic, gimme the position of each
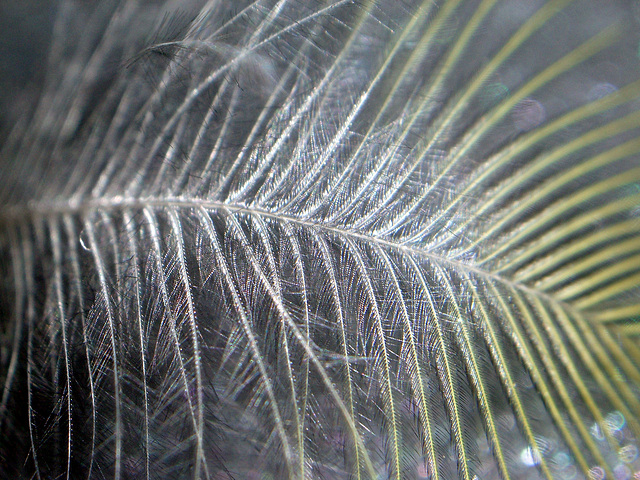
(339, 239)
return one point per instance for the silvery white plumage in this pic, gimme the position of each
(337, 239)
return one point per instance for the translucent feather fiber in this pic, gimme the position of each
(326, 240)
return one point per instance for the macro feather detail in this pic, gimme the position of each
(340, 239)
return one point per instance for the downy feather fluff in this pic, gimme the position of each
(336, 239)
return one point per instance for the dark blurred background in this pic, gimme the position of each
(25, 31)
